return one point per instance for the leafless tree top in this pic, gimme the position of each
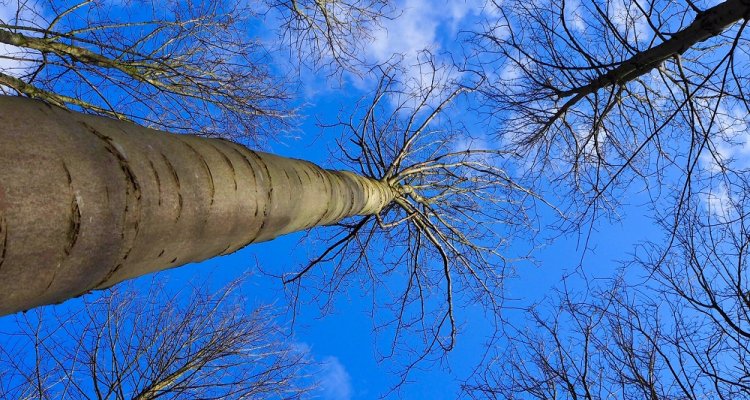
(443, 244)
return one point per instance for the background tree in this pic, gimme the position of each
(619, 93)
(673, 327)
(614, 98)
(127, 343)
(183, 66)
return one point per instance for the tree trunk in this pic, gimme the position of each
(86, 202)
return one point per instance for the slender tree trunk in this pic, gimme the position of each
(86, 202)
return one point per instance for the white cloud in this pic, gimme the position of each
(421, 25)
(413, 31)
(418, 27)
(719, 203)
(590, 145)
(730, 149)
(460, 10)
(731, 140)
(573, 16)
(512, 71)
(335, 382)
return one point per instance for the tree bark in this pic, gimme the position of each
(87, 202)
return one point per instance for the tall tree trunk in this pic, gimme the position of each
(86, 202)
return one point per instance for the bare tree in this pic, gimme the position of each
(181, 65)
(680, 333)
(704, 275)
(124, 344)
(131, 201)
(588, 345)
(185, 66)
(675, 323)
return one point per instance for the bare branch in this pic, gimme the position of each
(204, 347)
(179, 66)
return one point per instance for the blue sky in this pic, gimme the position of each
(343, 340)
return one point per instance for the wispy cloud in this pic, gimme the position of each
(573, 16)
(413, 31)
(422, 25)
(729, 150)
(630, 20)
(731, 139)
(335, 382)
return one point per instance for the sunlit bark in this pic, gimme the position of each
(86, 202)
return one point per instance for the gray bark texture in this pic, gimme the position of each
(86, 201)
